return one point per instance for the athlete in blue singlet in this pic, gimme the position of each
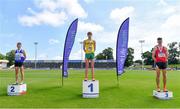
(20, 56)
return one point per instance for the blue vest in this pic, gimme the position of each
(19, 56)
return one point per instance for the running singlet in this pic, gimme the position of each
(161, 54)
(89, 46)
(19, 56)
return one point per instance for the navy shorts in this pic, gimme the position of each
(161, 65)
(18, 64)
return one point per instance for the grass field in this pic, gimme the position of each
(44, 90)
(150, 66)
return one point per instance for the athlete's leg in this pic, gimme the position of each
(158, 79)
(16, 73)
(86, 70)
(22, 73)
(164, 79)
(92, 69)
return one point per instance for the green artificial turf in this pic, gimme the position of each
(45, 90)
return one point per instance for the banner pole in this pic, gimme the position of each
(117, 80)
(62, 78)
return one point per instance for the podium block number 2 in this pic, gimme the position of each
(12, 89)
(91, 87)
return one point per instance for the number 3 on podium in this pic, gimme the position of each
(91, 87)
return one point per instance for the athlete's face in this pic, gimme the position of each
(89, 36)
(19, 46)
(159, 41)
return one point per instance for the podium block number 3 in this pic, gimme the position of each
(166, 94)
(91, 87)
(12, 89)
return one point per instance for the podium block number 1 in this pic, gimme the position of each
(91, 87)
(12, 89)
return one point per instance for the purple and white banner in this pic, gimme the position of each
(69, 41)
(122, 46)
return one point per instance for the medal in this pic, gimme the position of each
(18, 56)
(160, 49)
(90, 46)
(161, 54)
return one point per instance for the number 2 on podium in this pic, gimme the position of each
(91, 87)
(12, 89)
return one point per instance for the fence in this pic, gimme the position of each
(56, 64)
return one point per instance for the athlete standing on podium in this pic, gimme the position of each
(160, 57)
(89, 46)
(20, 56)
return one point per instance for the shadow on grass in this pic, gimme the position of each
(44, 89)
(3, 94)
(110, 88)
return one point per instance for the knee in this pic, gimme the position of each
(87, 62)
(164, 76)
(158, 77)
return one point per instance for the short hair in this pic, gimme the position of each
(19, 43)
(89, 33)
(159, 38)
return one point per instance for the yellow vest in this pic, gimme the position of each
(89, 46)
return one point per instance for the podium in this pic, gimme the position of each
(15, 90)
(163, 95)
(90, 89)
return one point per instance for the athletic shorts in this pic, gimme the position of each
(161, 65)
(89, 56)
(18, 64)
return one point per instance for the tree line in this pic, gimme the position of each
(107, 54)
(174, 54)
(173, 49)
(9, 56)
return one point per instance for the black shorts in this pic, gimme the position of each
(161, 65)
(18, 64)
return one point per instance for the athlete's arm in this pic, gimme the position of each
(24, 53)
(153, 53)
(84, 46)
(167, 53)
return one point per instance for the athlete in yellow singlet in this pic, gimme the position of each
(89, 46)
